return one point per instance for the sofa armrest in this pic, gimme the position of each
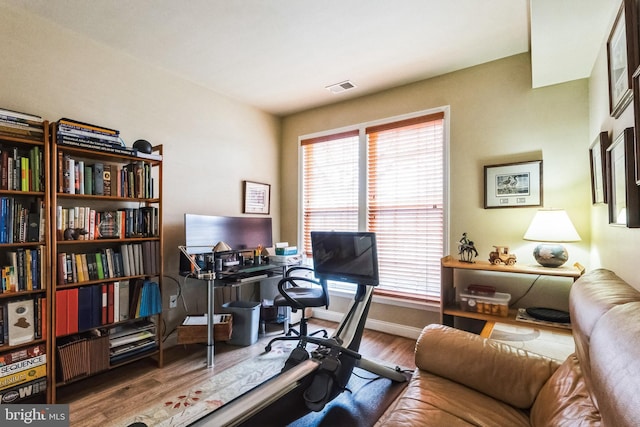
(498, 370)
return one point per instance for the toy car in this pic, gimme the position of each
(502, 255)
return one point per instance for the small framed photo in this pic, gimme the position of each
(622, 58)
(513, 185)
(597, 155)
(624, 194)
(256, 197)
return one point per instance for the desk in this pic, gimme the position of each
(237, 278)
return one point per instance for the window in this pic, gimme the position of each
(389, 179)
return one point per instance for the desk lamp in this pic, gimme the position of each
(550, 227)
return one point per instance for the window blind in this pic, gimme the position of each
(406, 203)
(330, 185)
(404, 172)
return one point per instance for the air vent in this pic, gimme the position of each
(341, 87)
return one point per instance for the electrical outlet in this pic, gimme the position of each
(173, 301)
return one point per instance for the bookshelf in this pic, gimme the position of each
(106, 257)
(24, 254)
(449, 308)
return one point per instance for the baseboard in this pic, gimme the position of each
(373, 324)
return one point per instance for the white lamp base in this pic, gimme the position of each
(550, 254)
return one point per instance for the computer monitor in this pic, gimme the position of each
(345, 256)
(203, 232)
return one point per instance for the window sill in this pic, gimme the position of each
(398, 302)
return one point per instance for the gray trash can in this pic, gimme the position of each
(246, 321)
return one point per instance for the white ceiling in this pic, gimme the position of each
(279, 55)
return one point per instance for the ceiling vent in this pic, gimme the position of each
(341, 87)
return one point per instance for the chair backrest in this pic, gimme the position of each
(304, 276)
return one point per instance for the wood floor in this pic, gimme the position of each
(96, 400)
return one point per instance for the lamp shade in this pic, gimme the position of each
(552, 225)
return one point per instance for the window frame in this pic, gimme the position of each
(362, 184)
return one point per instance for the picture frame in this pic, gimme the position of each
(636, 139)
(622, 58)
(624, 194)
(511, 185)
(597, 156)
(257, 198)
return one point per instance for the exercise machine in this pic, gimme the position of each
(321, 374)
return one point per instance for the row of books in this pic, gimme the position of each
(89, 307)
(22, 321)
(21, 220)
(82, 355)
(23, 125)
(23, 271)
(134, 259)
(75, 176)
(22, 170)
(85, 223)
(23, 373)
(126, 341)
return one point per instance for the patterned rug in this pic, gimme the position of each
(203, 397)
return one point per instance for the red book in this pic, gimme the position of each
(104, 305)
(110, 303)
(72, 311)
(61, 313)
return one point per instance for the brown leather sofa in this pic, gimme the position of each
(462, 379)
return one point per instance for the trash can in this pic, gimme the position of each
(246, 321)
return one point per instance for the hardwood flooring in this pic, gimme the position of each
(96, 400)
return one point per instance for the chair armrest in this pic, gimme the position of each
(498, 370)
(292, 281)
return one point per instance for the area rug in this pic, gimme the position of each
(202, 397)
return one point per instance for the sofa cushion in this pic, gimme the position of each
(430, 400)
(498, 370)
(615, 365)
(565, 400)
(593, 295)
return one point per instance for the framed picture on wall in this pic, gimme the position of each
(597, 155)
(513, 185)
(624, 194)
(622, 58)
(256, 197)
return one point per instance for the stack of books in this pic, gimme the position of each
(93, 137)
(22, 125)
(130, 340)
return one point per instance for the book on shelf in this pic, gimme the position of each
(18, 115)
(20, 321)
(76, 124)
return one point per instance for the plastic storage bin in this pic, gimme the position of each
(246, 321)
(496, 305)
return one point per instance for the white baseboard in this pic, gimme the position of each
(373, 324)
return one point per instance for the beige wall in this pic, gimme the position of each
(496, 117)
(612, 247)
(211, 143)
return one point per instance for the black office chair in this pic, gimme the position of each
(299, 293)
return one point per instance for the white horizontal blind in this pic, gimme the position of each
(404, 173)
(405, 204)
(330, 185)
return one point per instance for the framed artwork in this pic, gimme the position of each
(624, 194)
(636, 140)
(256, 197)
(597, 155)
(622, 58)
(512, 185)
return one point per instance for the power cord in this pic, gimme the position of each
(513, 303)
